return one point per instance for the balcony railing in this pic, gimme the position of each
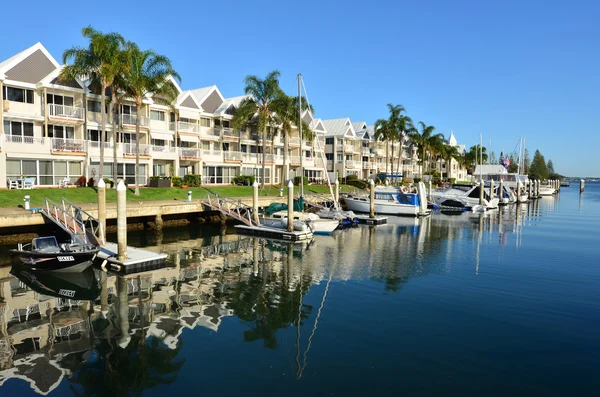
(131, 119)
(380, 152)
(366, 151)
(294, 141)
(214, 152)
(190, 153)
(96, 145)
(294, 159)
(129, 149)
(68, 145)
(163, 149)
(232, 156)
(66, 112)
(349, 148)
(24, 139)
(253, 157)
(366, 165)
(230, 133)
(184, 126)
(352, 163)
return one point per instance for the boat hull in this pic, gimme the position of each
(61, 262)
(383, 208)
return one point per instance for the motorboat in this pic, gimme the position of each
(463, 197)
(303, 221)
(389, 200)
(45, 253)
(546, 190)
(346, 218)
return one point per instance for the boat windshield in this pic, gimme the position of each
(45, 244)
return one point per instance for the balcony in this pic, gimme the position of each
(96, 145)
(380, 152)
(210, 132)
(366, 151)
(294, 159)
(366, 165)
(253, 158)
(190, 153)
(130, 120)
(68, 145)
(96, 117)
(294, 141)
(184, 126)
(24, 139)
(349, 148)
(232, 156)
(352, 164)
(129, 149)
(319, 162)
(65, 113)
(163, 149)
(230, 133)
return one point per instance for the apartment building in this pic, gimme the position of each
(51, 130)
(452, 169)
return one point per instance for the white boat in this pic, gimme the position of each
(303, 221)
(547, 190)
(389, 201)
(461, 196)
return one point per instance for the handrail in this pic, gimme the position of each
(231, 207)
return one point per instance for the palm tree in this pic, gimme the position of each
(426, 141)
(287, 115)
(147, 74)
(99, 62)
(257, 109)
(448, 152)
(384, 131)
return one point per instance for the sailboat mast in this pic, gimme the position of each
(519, 162)
(301, 138)
(481, 157)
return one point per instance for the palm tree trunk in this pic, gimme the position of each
(387, 157)
(286, 160)
(400, 155)
(114, 123)
(137, 146)
(392, 170)
(264, 149)
(102, 137)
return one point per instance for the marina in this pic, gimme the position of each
(235, 300)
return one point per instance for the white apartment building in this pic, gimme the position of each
(51, 130)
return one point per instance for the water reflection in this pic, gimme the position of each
(106, 334)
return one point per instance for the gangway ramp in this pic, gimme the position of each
(83, 227)
(234, 209)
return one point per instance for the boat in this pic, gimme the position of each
(44, 253)
(546, 190)
(346, 218)
(303, 221)
(82, 285)
(463, 197)
(389, 201)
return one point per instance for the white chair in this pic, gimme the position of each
(29, 183)
(64, 183)
(12, 184)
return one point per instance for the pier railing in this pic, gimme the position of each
(232, 208)
(83, 228)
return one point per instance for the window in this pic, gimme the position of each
(226, 123)
(206, 145)
(217, 123)
(340, 141)
(158, 142)
(172, 117)
(59, 131)
(204, 122)
(127, 109)
(94, 135)
(329, 156)
(340, 157)
(17, 94)
(159, 170)
(59, 100)
(94, 106)
(157, 115)
(219, 175)
(46, 172)
(17, 128)
(329, 141)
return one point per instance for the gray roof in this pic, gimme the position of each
(228, 102)
(489, 169)
(338, 127)
(29, 66)
(360, 125)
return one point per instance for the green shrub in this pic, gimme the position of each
(176, 181)
(297, 181)
(351, 177)
(417, 180)
(452, 181)
(192, 180)
(358, 183)
(246, 180)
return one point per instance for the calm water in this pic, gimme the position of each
(503, 303)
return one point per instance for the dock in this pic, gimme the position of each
(365, 219)
(274, 233)
(139, 260)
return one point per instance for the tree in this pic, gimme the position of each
(99, 62)
(384, 131)
(447, 153)
(257, 109)
(538, 168)
(426, 142)
(475, 156)
(550, 167)
(513, 167)
(147, 74)
(287, 115)
(526, 162)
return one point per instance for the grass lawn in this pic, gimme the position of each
(13, 198)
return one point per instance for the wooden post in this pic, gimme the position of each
(255, 202)
(518, 191)
(581, 186)
(372, 199)
(102, 209)
(122, 220)
(290, 226)
(337, 190)
(481, 192)
(492, 189)
(501, 191)
(537, 185)
(429, 195)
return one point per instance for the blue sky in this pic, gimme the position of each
(506, 69)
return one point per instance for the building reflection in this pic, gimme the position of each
(124, 336)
